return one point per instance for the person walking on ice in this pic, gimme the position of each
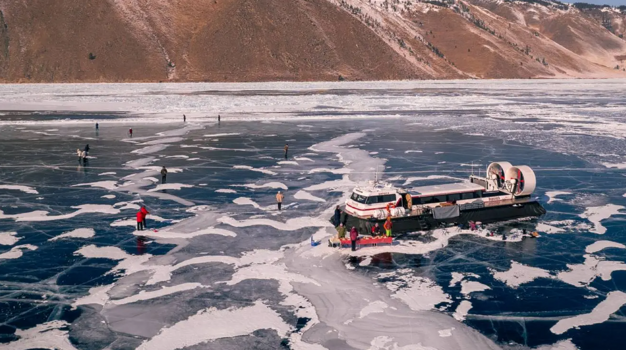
(163, 175)
(279, 200)
(139, 221)
(286, 150)
(144, 212)
(353, 237)
(184, 118)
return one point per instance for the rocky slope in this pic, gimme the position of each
(263, 40)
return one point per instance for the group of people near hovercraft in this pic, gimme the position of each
(339, 221)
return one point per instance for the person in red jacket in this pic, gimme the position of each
(144, 212)
(140, 221)
(353, 236)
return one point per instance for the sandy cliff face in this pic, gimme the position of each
(261, 40)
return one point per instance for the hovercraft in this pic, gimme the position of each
(504, 194)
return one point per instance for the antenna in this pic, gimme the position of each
(376, 175)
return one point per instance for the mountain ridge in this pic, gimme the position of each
(44, 41)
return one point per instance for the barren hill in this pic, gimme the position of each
(264, 40)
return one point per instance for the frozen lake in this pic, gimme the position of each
(221, 268)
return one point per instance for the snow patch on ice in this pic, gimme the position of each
(462, 310)
(211, 324)
(107, 185)
(143, 295)
(40, 215)
(25, 189)
(260, 170)
(372, 308)
(553, 194)
(601, 313)
(225, 190)
(17, 251)
(545, 228)
(289, 225)
(108, 196)
(340, 171)
(171, 186)
(49, 335)
(419, 293)
(468, 287)
(9, 238)
(222, 134)
(77, 233)
(596, 214)
(600, 245)
(272, 184)
(307, 196)
(412, 179)
(519, 274)
(333, 185)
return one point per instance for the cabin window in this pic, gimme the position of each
(427, 200)
(373, 200)
(478, 194)
(467, 195)
(389, 198)
(439, 199)
(358, 198)
(454, 197)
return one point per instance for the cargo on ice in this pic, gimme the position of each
(504, 194)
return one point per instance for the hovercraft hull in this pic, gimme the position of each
(422, 222)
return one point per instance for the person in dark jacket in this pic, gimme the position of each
(87, 150)
(353, 237)
(163, 175)
(286, 150)
(376, 230)
(139, 221)
(337, 218)
(144, 212)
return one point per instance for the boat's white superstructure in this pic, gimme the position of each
(503, 182)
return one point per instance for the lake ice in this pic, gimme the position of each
(219, 267)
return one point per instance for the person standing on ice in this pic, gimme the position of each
(130, 132)
(163, 175)
(79, 154)
(337, 218)
(388, 225)
(87, 150)
(279, 200)
(184, 118)
(376, 230)
(353, 236)
(139, 221)
(286, 150)
(341, 231)
(97, 126)
(144, 212)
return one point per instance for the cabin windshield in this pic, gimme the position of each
(358, 198)
(373, 199)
